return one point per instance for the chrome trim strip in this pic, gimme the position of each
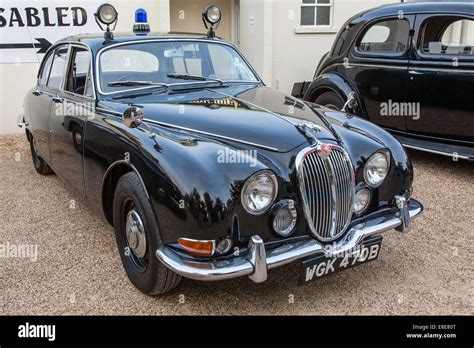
(209, 134)
(253, 264)
(448, 154)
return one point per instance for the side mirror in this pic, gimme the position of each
(349, 103)
(132, 117)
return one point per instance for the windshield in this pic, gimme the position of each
(137, 65)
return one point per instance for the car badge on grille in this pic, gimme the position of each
(324, 150)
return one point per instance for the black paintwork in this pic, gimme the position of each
(444, 90)
(181, 164)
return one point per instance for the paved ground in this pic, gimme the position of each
(428, 271)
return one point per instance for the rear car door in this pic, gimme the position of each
(378, 65)
(441, 78)
(74, 104)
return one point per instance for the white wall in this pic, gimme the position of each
(16, 80)
(294, 52)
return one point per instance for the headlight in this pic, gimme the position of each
(259, 192)
(361, 201)
(376, 168)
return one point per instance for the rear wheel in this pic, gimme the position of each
(330, 100)
(40, 165)
(138, 238)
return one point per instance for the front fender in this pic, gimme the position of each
(338, 84)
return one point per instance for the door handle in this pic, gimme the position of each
(413, 72)
(58, 99)
(37, 93)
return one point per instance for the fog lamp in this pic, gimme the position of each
(284, 219)
(361, 201)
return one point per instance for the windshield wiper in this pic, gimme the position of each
(194, 78)
(135, 83)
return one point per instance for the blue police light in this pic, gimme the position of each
(141, 26)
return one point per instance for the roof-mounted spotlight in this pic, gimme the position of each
(211, 18)
(141, 26)
(107, 15)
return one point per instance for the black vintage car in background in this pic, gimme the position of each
(405, 74)
(205, 172)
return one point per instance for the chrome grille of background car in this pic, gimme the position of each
(327, 188)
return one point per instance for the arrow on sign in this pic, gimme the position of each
(42, 44)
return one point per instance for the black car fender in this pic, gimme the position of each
(337, 83)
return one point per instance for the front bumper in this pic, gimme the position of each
(256, 260)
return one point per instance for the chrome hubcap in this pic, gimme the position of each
(136, 233)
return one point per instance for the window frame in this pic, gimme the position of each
(63, 78)
(315, 5)
(443, 56)
(368, 26)
(89, 73)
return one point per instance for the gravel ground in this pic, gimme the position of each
(78, 271)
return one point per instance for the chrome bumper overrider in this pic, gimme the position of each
(256, 260)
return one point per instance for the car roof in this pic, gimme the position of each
(96, 40)
(459, 7)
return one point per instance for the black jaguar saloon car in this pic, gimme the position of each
(202, 170)
(410, 70)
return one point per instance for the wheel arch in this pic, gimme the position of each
(338, 84)
(109, 183)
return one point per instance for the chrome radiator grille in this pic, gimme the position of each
(327, 188)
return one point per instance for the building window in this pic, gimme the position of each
(316, 12)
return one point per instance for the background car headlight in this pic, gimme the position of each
(376, 168)
(259, 192)
(361, 201)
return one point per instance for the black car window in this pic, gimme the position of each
(448, 35)
(56, 74)
(389, 36)
(43, 77)
(78, 75)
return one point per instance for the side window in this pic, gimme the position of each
(448, 35)
(43, 78)
(58, 68)
(386, 37)
(78, 75)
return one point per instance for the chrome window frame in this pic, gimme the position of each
(191, 40)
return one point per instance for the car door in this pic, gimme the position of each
(378, 66)
(441, 78)
(69, 114)
(39, 114)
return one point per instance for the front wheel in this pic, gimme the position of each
(138, 238)
(330, 100)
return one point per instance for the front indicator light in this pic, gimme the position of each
(198, 247)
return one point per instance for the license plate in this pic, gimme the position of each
(320, 266)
